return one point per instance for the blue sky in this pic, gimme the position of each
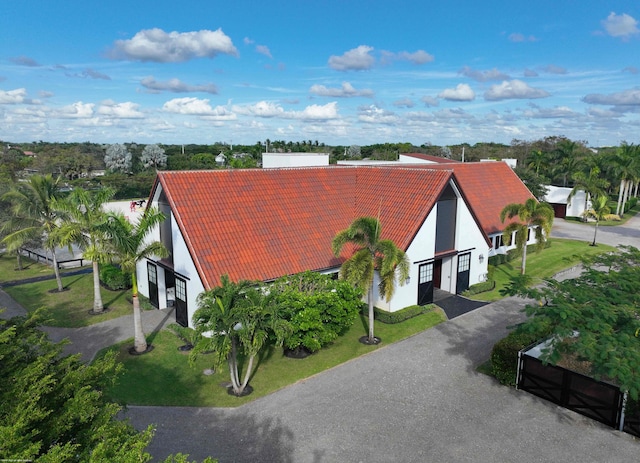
(340, 72)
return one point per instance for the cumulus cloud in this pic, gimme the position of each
(172, 47)
(430, 101)
(190, 106)
(514, 89)
(416, 57)
(317, 112)
(530, 73)
(17, 96)
(356, 59)
(347, 90)
(268, 109)
(518, 37)
(261, 109)
(127, 110)
(462, 92)
(24, 61)
(175, 86)
(374, 115)
(626, 98)
(559, 112)
(622, 25)
(553, 69)
(77, 110)
(483, 76)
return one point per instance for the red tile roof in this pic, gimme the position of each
(260, 224)
(488, 187)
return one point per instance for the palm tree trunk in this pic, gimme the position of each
(139, 339)
(372, 338)
(524, 259)
(56, 270)
(620, 196)
(98, 307)
(595, 233)
(247, 375)
(19, 258)
(233, 367)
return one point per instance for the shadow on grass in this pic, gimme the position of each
(69, 283)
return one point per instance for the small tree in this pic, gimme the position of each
(118, 158)
(129, 244)
(84, 228)
(599, 209)
(153, 156)
(372, 253)
(36, 214)
(236, 319)
(532, 214)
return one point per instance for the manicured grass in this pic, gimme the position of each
(30, 269)
(164, 377)
(560, 255)
(70, 309)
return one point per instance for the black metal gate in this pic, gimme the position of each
(595, 399)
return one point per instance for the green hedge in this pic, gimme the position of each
(504, 355)
(401, 315)
(113, 278)
(478, 288)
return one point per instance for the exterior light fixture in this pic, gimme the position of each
(481, 258)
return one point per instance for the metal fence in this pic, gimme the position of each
(598, 400)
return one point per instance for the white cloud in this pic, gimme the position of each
(530, 73)
(160, 46)
(77, 110)
(175, 86)
(621, 25)
(93, 74)
(356, 59)
(462, 92)
(374, 115)
(483, 76)
(559, 112)
(194, 107)
(264, 50)
(127, 110)
(318, 112)
(404, 103)
(430, 101)
(626, 98)
(260, 109)
(24, 61)
(347, 90)
(513, 89)
(16, 96)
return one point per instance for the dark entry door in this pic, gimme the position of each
(437, 273)
(182, 316)
(464, 266)
(152, 277)
(425, 284)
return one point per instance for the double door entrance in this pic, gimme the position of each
(430, 277)
(174, 290)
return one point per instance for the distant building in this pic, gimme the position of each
(271, 160)
(563, 206)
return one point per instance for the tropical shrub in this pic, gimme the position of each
(478, 288)
(317, 307)
(113, 278)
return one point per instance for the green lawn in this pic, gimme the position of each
(164, 377)
(560, 255)
(70, 308)
(30, 269)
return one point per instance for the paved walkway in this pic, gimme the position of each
(627, 234)
(417, 400)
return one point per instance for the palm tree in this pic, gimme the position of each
(372, 253)
(537, 159)
(128, 243)
(599, 209)
(35, 215)
(84, 229)
(236, 318)
(592, 184)
(531, 214)
(625, 167)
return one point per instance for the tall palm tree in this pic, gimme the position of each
(592, 184)
(625, 167)
(129, 244)
(236, 318)
(599, 209)
(86, 217)
(372, 253)
(35, 214)
(531, 214)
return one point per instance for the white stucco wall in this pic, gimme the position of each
(271, 160)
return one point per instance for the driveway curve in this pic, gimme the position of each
(419, 400)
